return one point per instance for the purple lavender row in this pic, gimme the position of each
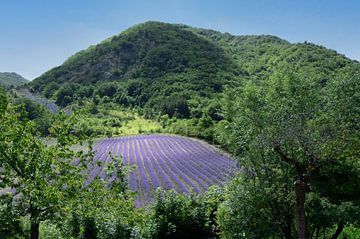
(211, 153)
(178, 174)
(198, 151)
(190, 155)
(145, 187)
(203, 183)
(227, 166)
(168, 169)
(166, 183)
(211, 162)
(149, 165)
(162, 160)
(212, 170)
(199, 167)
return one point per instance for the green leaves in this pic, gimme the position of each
(42, 175)
(294, 127)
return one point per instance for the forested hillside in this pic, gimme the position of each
(9, 79)
(171, 69)
(288, 113)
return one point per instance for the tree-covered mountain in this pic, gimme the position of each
(175, 69)
(288, 113)
(9, 79)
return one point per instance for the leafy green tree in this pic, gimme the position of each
(32, 109)
(66, 94)
(179, 216)
(175, 105)
(306, 125)
(42, 176)
(254, 207)
(110, 215)
(50, 89)
(107, 89)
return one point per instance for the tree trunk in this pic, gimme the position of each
(34, 230)
(338, 231)
(287, 228)
(301, 229)
(287, 233)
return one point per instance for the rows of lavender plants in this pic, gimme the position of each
(183, 164)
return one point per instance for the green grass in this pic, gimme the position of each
(112, 123)
(140, 125)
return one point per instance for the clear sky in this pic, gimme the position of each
(36, 35)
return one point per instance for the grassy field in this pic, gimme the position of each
(112, 123)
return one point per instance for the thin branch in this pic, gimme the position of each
(12, 165)
(285, 157)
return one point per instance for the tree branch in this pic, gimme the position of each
(286, 158)
(12, 165)
(338, 231)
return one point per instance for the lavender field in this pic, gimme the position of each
(169, 162)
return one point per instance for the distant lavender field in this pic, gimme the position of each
(165, 161)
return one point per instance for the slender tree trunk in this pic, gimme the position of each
(287, 228)
(34, 230)
(301, 229)
(287, 233)
(317, 232)
(338, 231)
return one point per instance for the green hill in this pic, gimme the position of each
(175, 69)
(8, 79)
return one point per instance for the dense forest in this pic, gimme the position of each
(287, 113)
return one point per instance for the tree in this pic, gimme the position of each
(180, 216)
(105, 208)
(43, 177)
(66, 94)
(304, 123)
(32, 109)
(254, 207)
(107, 89)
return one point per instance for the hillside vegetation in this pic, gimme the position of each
(287, 112)
(172, 69)
(9, 79)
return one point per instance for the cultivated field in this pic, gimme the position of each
(165, 161)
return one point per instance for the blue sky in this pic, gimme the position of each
(36, 35)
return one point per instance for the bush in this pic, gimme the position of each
(179, 216)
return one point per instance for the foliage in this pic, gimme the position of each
(256, 208)
(147, 64)
(42, 176)
(8, 80)
(180, 216)
(303, 125)
(288, 111)
(32, 109)
(99, 122)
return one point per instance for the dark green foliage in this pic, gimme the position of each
(147, 50)
(147, 61)
(3, 101)
(9, 223)
(256, 208)
(66, 94)
(297, 132)
(50, 89)
(107, 89)
(174, 105)
(90, 230)
(180, 216)
(32, 109)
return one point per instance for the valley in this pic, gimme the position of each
(172, 131)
